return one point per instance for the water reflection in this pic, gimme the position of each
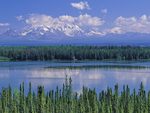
(99, 78)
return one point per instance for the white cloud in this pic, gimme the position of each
(88, 20)
(134, 24)
(67, 18)
(115, 30)
(49, 24)
(81, 5)
(84, 25)
(36, 21)
(4, 24)
(19, 18)
(65, 24)
(98, 33)
(4, 27)
(104, 11)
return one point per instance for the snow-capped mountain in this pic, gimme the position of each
(40, 37)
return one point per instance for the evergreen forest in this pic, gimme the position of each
(65, 100)
(48, 53)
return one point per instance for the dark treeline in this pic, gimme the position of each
(75, 53)
(66, 101)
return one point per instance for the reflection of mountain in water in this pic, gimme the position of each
(98, 78)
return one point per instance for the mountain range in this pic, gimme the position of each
(37, 38)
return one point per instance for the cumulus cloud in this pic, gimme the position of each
(68, 25)
(49, 24)
(104, 11)
(85, 24)
(133, 24)
(81, 25)
(81, 5)
(88, 20)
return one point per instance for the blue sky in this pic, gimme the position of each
(108, 11)
(9, 9)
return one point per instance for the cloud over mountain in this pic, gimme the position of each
(72, 26)
(69, 25)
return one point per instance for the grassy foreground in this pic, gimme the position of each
(66, 101)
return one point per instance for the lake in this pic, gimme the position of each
(98, 75)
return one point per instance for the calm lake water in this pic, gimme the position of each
(99, 75)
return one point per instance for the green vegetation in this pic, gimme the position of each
(4, 59)
(66, 101)
(45, 53)
(99, 66)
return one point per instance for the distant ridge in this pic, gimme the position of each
(132, 39)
